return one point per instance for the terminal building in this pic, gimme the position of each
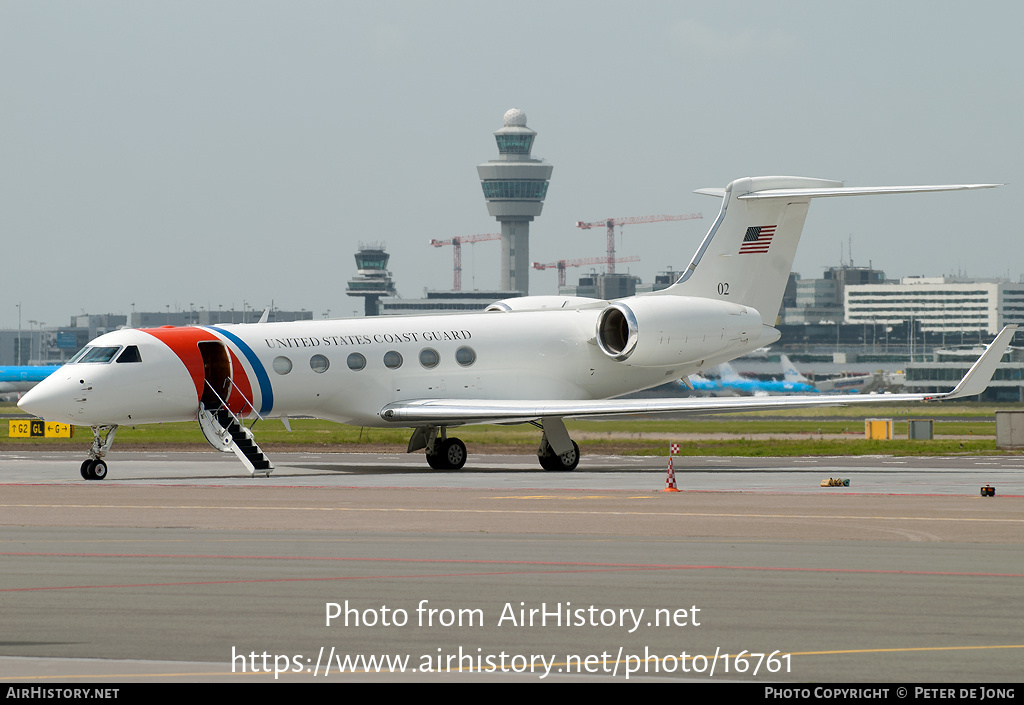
(616, 286)
(852, 306)
(816, 300)
(37, 345)
(204, 317)
(444, 302)
(947, 367)
(946, 306)
(603, 286)
(931, 328)
(53, 346)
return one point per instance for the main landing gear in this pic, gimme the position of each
(442, 453)
(557, 452)
(94, 467)
(445, 453)
(552, 462)
(449, 454)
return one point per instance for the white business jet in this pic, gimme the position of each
(537, 359)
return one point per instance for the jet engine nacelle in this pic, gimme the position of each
(657, 331)
(540, 303)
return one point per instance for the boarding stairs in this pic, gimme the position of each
(225, 432)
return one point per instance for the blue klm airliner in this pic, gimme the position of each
(21, 378)
(731, 381)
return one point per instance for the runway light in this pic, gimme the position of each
(988, 491)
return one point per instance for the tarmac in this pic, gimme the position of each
(181, 568)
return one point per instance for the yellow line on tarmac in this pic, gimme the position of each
(907, 649)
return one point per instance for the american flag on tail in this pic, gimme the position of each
(757, 239)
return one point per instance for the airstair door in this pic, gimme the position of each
(217, 370)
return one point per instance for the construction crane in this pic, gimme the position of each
(563, 263)
(456, 243)
(610, 223)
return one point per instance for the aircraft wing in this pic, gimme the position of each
(451, 412)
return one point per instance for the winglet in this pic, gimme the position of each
(979, 376)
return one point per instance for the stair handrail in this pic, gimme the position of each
(246, 400)
(224, 404)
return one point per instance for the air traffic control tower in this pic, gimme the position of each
(515, 185)
(373, 280)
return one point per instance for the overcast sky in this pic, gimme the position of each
(210, 153)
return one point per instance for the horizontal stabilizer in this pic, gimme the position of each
(857, 191)
(716, 192)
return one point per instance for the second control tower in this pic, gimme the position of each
(515, 185)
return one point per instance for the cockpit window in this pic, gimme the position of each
(78, 355)
(99, 354)
(130, 354)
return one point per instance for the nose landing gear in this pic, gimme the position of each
(94, 467)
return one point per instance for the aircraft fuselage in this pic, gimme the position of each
(347, 370)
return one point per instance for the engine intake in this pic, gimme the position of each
(617, 331)
(657, 331)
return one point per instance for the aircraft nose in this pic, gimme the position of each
(50, 400)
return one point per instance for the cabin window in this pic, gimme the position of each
(319, 364)
(356, 361)
(130, 354)
(282, 365)
(429, 358)
(392, 359)
(465, 356)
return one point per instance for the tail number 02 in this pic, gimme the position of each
(723, 288)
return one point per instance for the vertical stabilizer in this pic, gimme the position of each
(747, 255)
(790, 373)
(728, 374)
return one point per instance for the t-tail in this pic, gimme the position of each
(790, 373)
(728, 374)
(748, 253)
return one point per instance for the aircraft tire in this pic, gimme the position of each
(98, 469)
(566, 462)
(436, 461)
(87, 469)
(453, 452)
